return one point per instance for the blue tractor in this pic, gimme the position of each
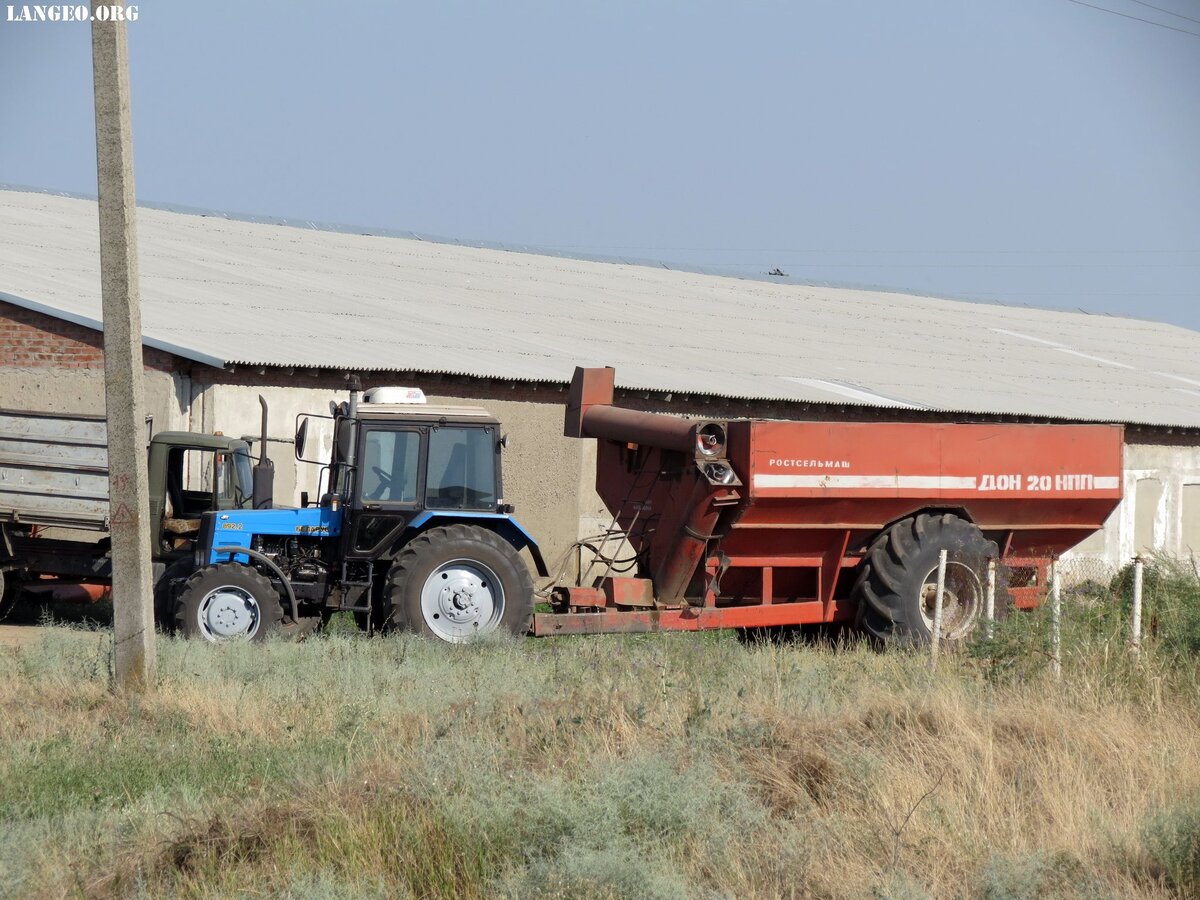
(410, 532)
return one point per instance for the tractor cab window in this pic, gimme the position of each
(242, 485)
(199, 480)
(462, 469)
(390, 464)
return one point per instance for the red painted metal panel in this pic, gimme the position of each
(629, 591)
(581, 596)
(935, 460)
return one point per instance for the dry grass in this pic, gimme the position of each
(666, 766)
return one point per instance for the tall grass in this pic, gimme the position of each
(655, 766)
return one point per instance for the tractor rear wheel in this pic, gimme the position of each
(897, 581)
(457, 583)
(228, 602)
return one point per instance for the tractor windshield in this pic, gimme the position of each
(462, 469)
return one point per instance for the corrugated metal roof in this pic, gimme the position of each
(222, 290)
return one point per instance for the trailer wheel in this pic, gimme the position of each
(228, 602)
(457, 583)
(897, 581)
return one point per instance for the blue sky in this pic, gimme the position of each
(1035, 152)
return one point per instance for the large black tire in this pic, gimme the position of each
(226, 602)
(472, 581)
(167, 588)
(897, 580)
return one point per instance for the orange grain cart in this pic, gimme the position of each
(745, 523)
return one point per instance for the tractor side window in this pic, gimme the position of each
(389, 466)
(462, 469)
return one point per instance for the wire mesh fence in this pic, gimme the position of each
(1058, 613)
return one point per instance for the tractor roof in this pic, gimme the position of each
(198, 440)
(391, 412)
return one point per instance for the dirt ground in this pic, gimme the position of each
(25, 635)
(19, 635)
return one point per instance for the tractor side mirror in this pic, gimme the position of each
(301, 436)
(320, 436)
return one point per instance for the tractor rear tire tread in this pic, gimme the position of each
(402, 591)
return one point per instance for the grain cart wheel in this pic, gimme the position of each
(228, 602)
(897, 581)
(457, 583)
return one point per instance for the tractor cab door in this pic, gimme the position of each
(198, 480)
(391, 467)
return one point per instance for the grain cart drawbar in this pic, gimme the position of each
(745, 523)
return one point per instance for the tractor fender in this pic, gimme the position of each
(505, 526)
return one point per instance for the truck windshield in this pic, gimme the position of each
(462, 469)
(243, 492)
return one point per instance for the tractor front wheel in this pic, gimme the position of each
(896, 587)
(457, 583)
(228, 602)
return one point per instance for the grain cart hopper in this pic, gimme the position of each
(745, 523)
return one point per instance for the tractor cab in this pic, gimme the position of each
(192, 474)
(410, 459)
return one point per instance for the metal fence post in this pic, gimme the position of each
(1135, 638)
(989, 609)
(1055, 621)
(936, 637)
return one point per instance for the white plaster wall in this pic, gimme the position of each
(234, 410)
(1174, 467)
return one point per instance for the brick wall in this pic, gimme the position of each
(33, 340)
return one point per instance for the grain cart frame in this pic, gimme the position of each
(747, 523)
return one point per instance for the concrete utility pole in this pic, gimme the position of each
(124, 381)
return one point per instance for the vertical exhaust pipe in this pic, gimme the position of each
(346, 483)
(264, 471)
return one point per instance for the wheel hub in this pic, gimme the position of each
(458, 603)
(960, 600)
(228, 612)
(460, 599)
